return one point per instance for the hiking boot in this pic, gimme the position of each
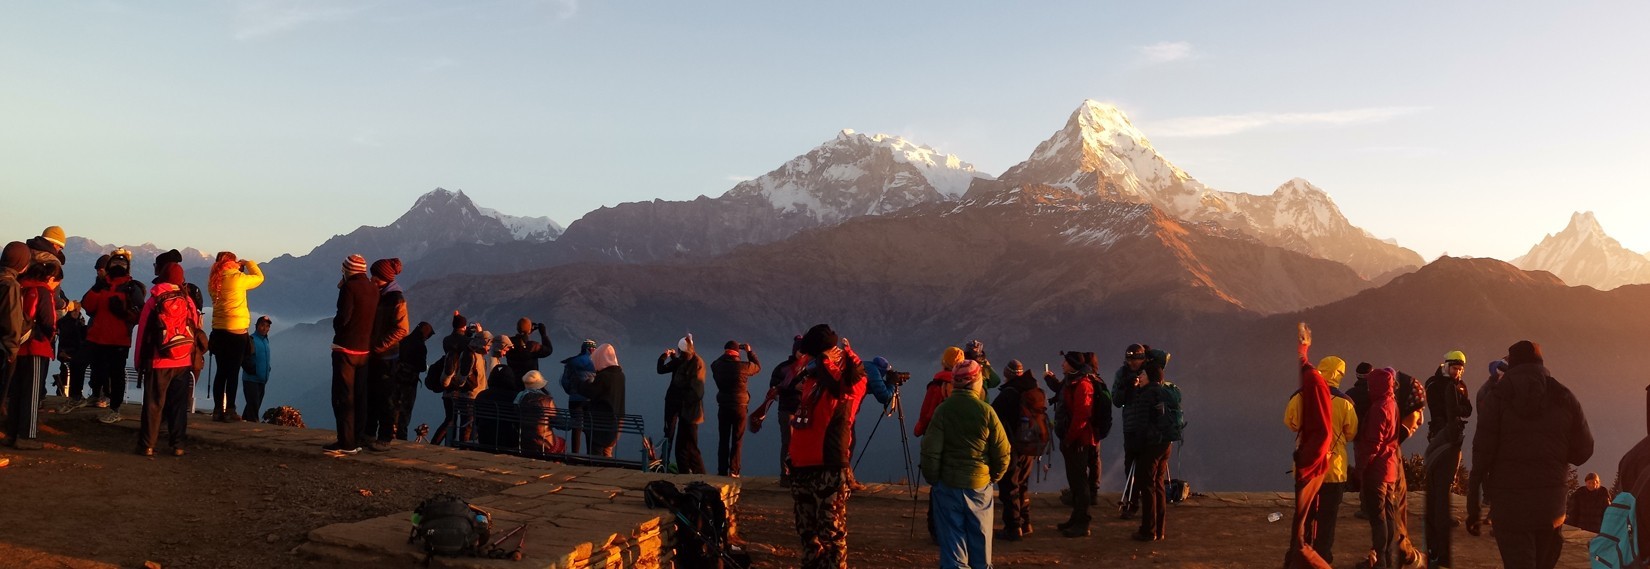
(109, 418)
(1075, 531)
(70, 406)
(1006, 534)
(1025, 531)
(378, 446)
(101, 403)
(27, 444)
(177, 451)
(231, 417)
(145, 451)
(1139, 536)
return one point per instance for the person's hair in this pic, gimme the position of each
(43, 271)
(265, 320)
(1591, 476)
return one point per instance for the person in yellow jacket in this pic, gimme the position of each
(229, 343)
(1343, 419)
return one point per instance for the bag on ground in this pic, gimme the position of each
(448, 525)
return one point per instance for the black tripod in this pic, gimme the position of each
(896, 409)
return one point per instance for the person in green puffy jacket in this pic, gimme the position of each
(964, 453)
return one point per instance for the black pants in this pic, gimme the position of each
(1380, 505)
(459, 419)
(76, 370)
(577, 421)
(730, 422)
(1327, 512)
(1537, 549)
(784, 444)
(254, 400)
(688, 458)
(1152, 475)
(229, 350)
(380, 422)
(1015, 499)
(403, 393)
(23, 397)
(604, 428)
(1079, 460)
(109, 372)
(166, 398)
(349, 396)
(1442, 459)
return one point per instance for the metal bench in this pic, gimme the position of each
(495, 427)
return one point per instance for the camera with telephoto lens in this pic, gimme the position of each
(899, 377)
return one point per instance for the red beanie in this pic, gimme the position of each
(172, 274)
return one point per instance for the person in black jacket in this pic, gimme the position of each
(1587, 504)
(1019, 393)
(782, 388)
(525, 353)
(1446, 432)
(1530, 429)
(351, 340)
(71, 338)
(413, 361)
(1129, 378)
(389, 327)
(605, 400)
(684, 403)
(733, 400)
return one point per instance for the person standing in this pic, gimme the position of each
(577, 372)
(14, 324)
(1022, 408)
(965, 451)
(389, 327)
(782, 388)
(733, 400)
(351, 341)
(114, 308)
(228, 282)
(1475, 476)
(1380, 467)
(1078, 445)
(1311, 414)
(605, 394)
(974, 351)
(38, 299)
(1129, 378)
(167, 367)
(684, 403)
(1530, 431)
(71, 342)
(1587, 504)
(833, 383)
(1162, 398)
(1450, 406)
(525, 352)
(413, 361)
(255, 372)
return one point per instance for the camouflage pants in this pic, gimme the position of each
(821, 497)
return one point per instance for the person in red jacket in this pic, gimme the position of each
(113, 306)
(939, 388)
(168, 373)
(833, 383)
(1380, 466)
(1077, 438)
(39, 303)
(1312, 448)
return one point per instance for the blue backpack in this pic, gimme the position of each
(1617, 546)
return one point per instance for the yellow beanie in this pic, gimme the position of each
(54, 234)
(1332, 369)
(951, 357)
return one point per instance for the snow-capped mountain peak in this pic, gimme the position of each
(856, 174)
(443, 210)
(1583, 254)
(535, 229)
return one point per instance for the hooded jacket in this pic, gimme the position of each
(413, 355)
(576, 371)
(1310, 409)
(966, 446)
(12, 323)
(228, 286)
(525, 356)
(606, 391)
(40, 308)
(141, 345)
(1343, 419)
(1377, 444)
(834, 389)
(389, 324)
(1531, 430)
(106, 305)
(685, 397)
(1449, 405)
(733, 378)
(71, 336)
(357, 310)
(1123, 391)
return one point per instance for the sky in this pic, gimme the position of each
(266, 127)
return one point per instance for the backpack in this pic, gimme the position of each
(172, 333)
(1032, 435)
(1100, 408)
(1168, 419)
(128, 301)
(434, 380)
(456, 372)
(1617, 546)
(702, 524)
(448, 525)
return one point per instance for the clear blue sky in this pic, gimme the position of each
(267, 126)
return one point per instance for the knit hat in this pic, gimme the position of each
(1075, 360)
(459, 321)
(685, 344)
(55, 235)
(731, 345)
(819, 339)
(949, 359)
(588, 344)
(172, 274)
(16, 256)
(1015, 366)
(1135, 351)
(1524, 352)
(1455, 356)
(1157, 358)
(1497, 367)
(355, 265)
(1332, 369)
(101, 263)
(1364, 368)
(171, 256)
(973, 349)
(881, 363)
(967, 372)
(386, 269)
(423, 331)
(533, 380)
(524, 325)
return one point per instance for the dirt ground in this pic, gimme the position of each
(880, 536)
(88, 500)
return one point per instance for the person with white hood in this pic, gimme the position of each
(684, 403)
(605, 394)
(535, 406)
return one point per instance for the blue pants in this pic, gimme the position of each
(963, 520)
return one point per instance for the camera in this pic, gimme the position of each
(899, 377)
(538, 325)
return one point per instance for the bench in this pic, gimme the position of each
(499, 417)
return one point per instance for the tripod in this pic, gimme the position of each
(896, 409)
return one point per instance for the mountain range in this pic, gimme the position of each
(1582, 254)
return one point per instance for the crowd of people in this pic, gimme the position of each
(977, 451)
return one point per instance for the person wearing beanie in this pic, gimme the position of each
(1022, 407)
(684, 403)
(1152, 464)
(975, 350)
(113, 306)
(168, 375)
(13, 321)
(463, 364)
(1531, 429)
(255, 371)
(877, 382)
(227, 283)
(832, 379)
(48, 247)
(1323, 421)
(352, 328)
(525, 356)
(939, 388)
(1128, 378)
(533, 403)
(389, 327)
(1450, 406)
(733, 399)
(1475, 477)
(783, 387)
(412, 360)
(605, 397)
(56, 236)
(37, 291)
(1080, 449)
(1380, 463)
(965, 452)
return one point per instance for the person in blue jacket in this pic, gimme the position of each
(255, 371)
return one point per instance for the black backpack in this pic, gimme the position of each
(702, 525)
(447, 525)
(1100, 408)
(128, 301)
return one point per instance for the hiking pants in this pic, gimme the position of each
(821, 498)
(459, 418)
(1442, 459)
(688, 458)
(23, 397)
(1380, 504)
(577, 418)
(730, 422)
(1327, 511)
(964, 519)
(1304, 529)
(403, 393)
(1015, 496)
(604, 428)
(254, 400)
(1153, 477)
(75, 382)
(166, 398)
(349, 396)
(1537, 549)
(784, 444)
(1078, 462)
(109, 372)
(380, 419)
(229, 350)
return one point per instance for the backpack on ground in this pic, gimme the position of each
(1168, 419)
(702, 524)
(172, 331)
(1031, 437)
(448, 525)
(1617, 546)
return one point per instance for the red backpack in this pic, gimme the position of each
(171, 331)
